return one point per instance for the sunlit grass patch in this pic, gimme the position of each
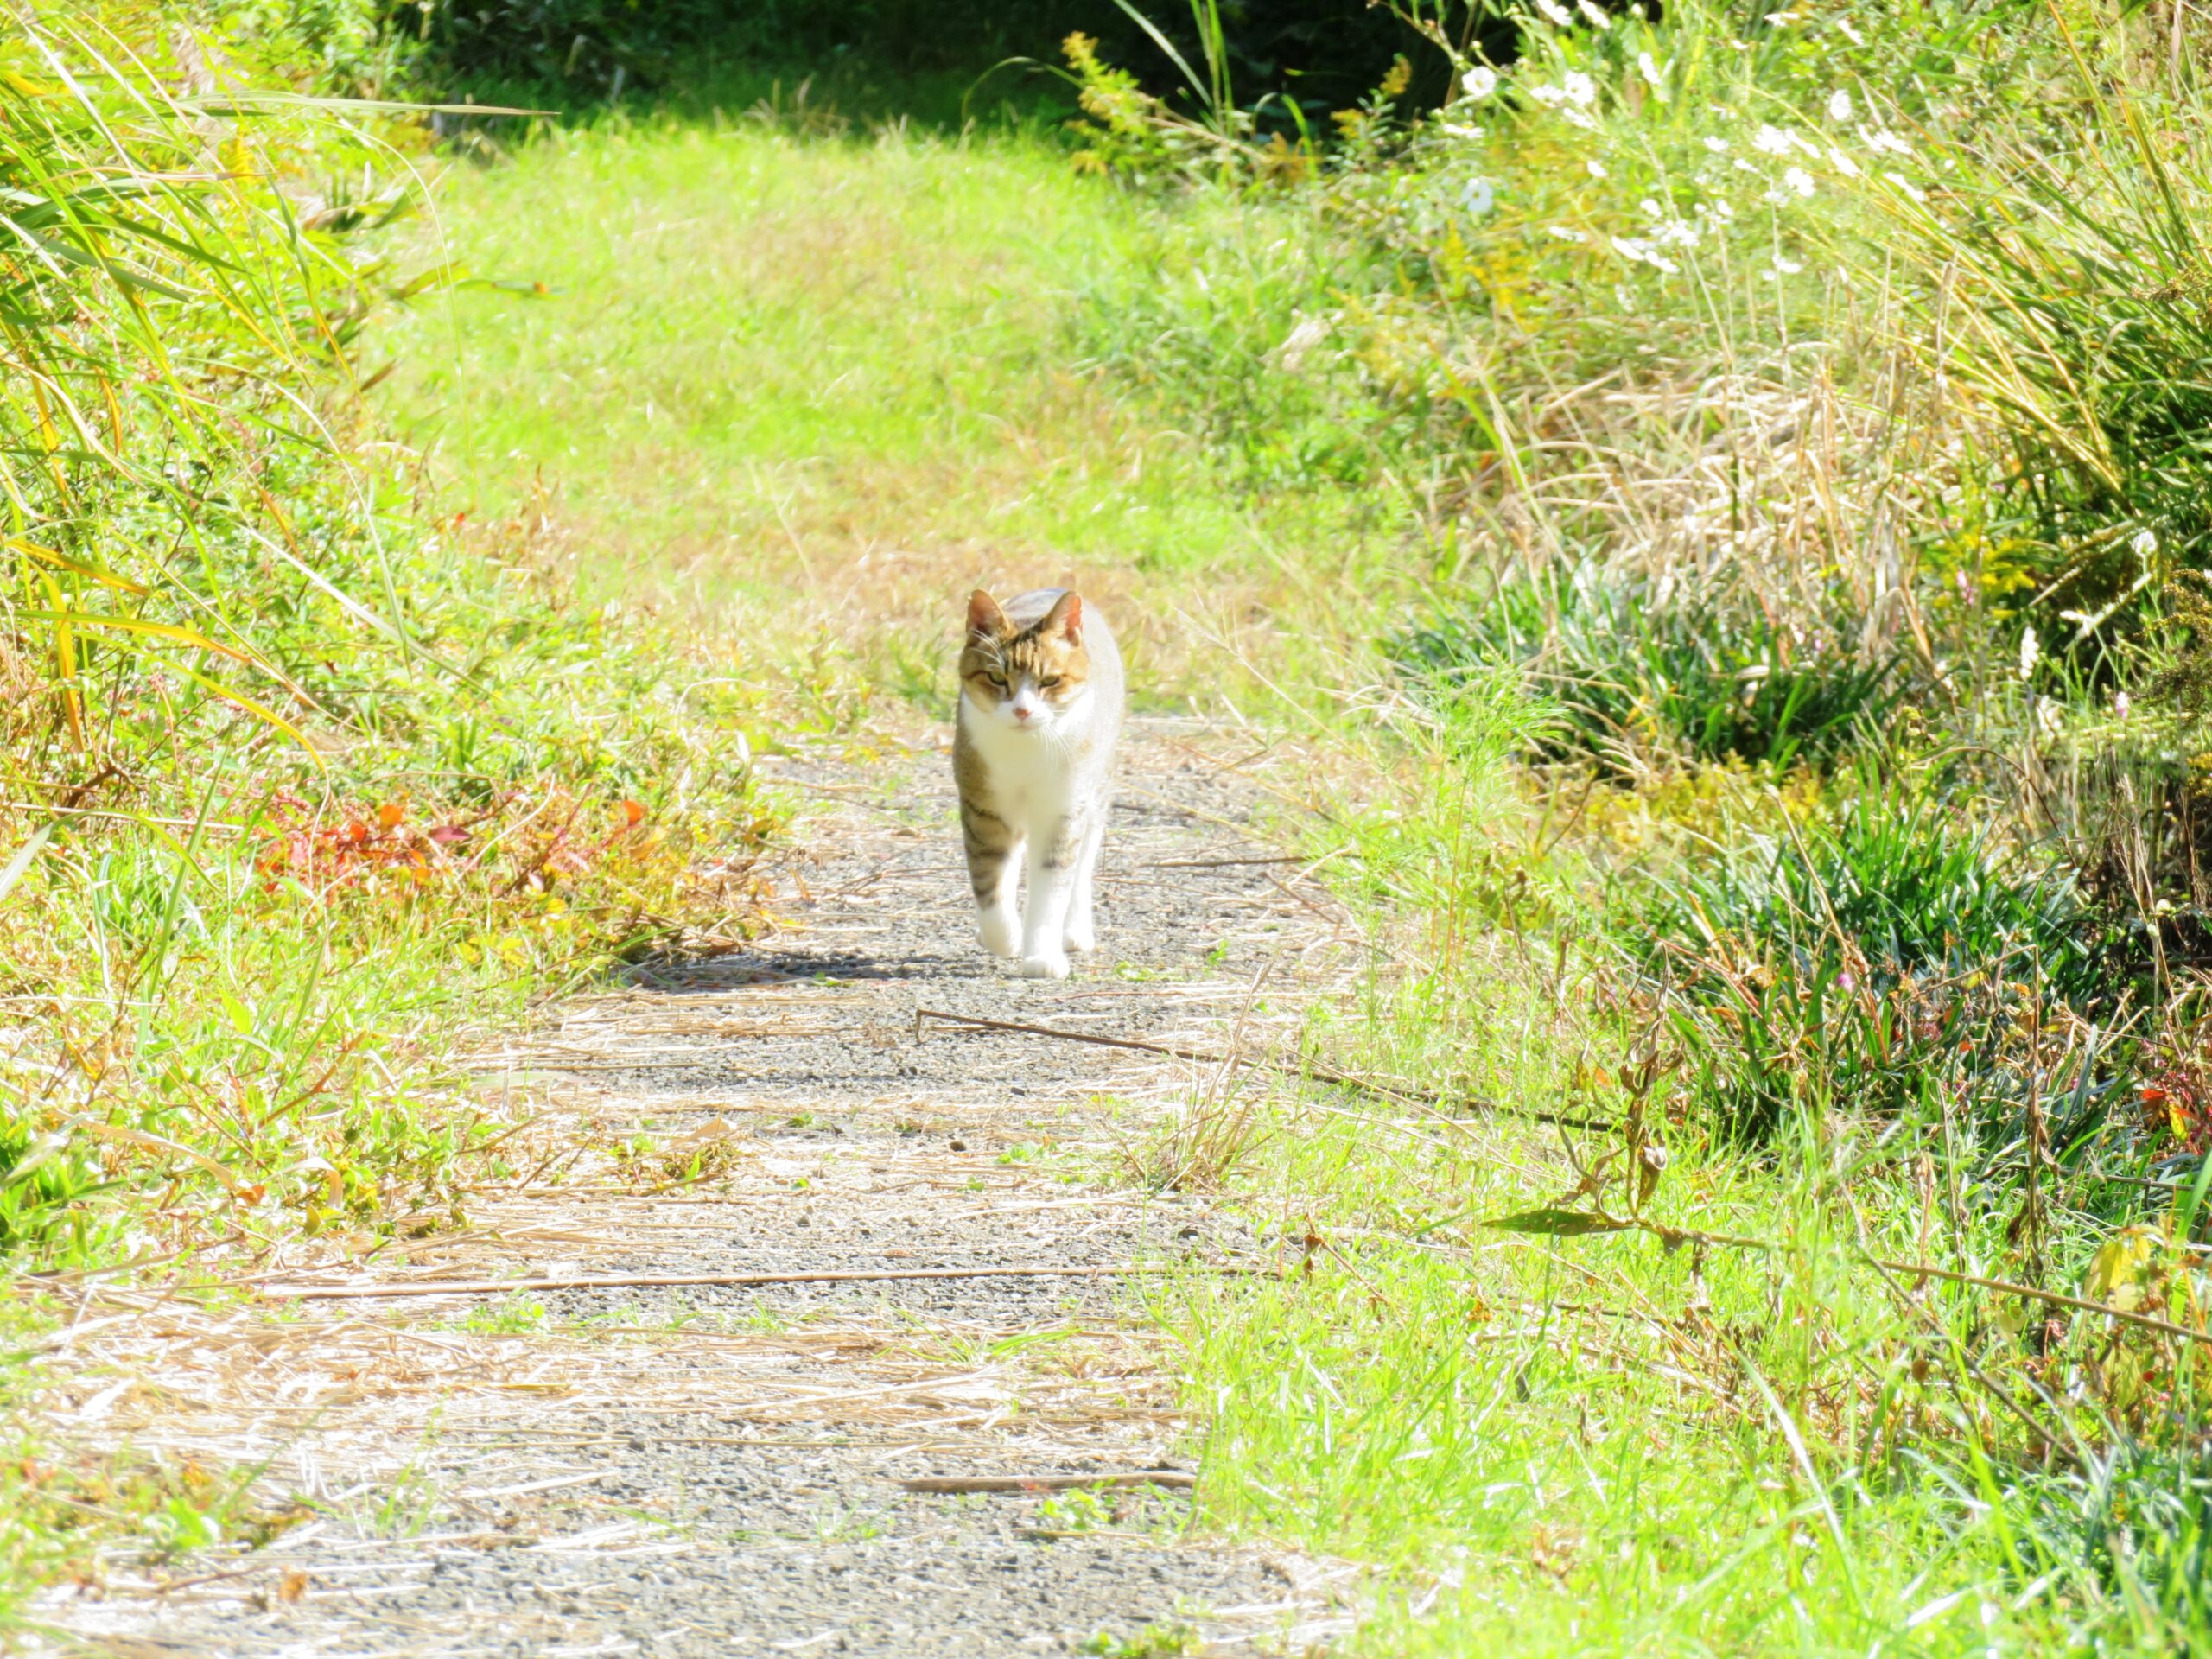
(835, 376)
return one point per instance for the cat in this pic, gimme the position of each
(1033, 753)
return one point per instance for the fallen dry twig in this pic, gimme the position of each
(1171, 1478)
(1576, 1223)
(1302, 1068)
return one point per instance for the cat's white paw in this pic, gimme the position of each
(1054, 966)
(1082, 937)
(1002, 934)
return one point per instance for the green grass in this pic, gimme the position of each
(765, 363)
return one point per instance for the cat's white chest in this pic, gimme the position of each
(1029, 772)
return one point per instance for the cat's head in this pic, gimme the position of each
(1024, 678)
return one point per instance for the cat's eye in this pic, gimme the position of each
(1048, 682)
(998, 680)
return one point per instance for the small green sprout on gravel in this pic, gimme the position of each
(1153, 1642)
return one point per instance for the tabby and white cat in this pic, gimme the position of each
(1032, 751)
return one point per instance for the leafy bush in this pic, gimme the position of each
(1866, 964)
(2069, 238)
(165, 302)
(1294, 60)
(1632, 673)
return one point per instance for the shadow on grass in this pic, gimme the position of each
(848, 93)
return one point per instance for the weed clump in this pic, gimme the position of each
(1870, 961)
(1637, 674)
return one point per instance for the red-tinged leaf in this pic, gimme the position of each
(391, 814)
(448, 834)
(633, 815)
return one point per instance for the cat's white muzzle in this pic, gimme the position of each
(1027, 711)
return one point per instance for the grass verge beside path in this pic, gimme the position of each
(305, 780)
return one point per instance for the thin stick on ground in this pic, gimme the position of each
(1173, 1478)
(1299, 1068)
(1560, 1223)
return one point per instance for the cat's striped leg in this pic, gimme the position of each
(1051, 887)
(993, 873)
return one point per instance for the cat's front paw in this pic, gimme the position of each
(1002, 934)
(1051, 966)
(1082, 938)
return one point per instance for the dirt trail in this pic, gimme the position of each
(717, 1470)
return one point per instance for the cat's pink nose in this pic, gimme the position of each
(1019, 712)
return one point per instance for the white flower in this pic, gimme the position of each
(1772, 141)
(2031, 648)
(1842, 163)
(1480, 197)
(1844, 28)
(1718, 146)
(1596, 18)
(1883, 139)
(1648, 67)
(1546, 94)
(1555, 14)
(2120, 704)
(1479, 81)
(1636, 249)
(2146, 542)
(1648, 207)
(1899, 179)
(1782, 19)
(1786, 267)
(2047, 716)
(1839, 105)
(1596, 169)
(1577, 118)
(1565, 233)
(1799, 179)
(1580, 88)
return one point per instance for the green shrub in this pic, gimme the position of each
(1631, 672)
(2068, 243)
(1870, 964)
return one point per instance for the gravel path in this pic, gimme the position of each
(721, 1470)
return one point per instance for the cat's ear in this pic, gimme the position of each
(1065, 618)
(984, 616)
